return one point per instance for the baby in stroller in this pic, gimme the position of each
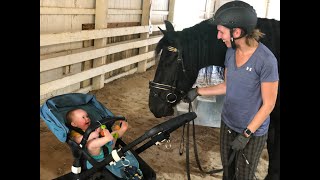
(79, 118)
(100, 137)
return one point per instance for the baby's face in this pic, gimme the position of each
(81, 119)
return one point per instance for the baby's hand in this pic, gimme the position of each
(93, 135)
(98, 130)
(107, 134)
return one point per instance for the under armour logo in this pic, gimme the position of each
(249, 69)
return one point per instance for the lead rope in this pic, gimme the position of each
(182, 141)
(195, 150)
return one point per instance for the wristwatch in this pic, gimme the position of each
(247, 132)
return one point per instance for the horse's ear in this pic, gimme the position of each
(169, 26)
(164, 32)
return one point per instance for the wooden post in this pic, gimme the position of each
(100, 23)
(208, 9)
(267, 4)
(171, 10)
(146, 7)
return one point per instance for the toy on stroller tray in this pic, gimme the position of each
(53, 112)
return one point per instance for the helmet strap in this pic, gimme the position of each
(233, 44)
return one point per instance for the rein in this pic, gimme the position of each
(213, 171)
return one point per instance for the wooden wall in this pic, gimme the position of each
(87, 43)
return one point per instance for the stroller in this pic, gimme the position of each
(53, 112)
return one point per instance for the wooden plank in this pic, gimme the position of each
(64, 11)
(123, 24)
(69, 80)
(60, 61)
(159, 12)
(124, 11)
(59, 38)
(90, 26)
(78, 11)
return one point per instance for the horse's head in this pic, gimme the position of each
(164, 89)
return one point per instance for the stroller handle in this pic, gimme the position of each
(167, 126)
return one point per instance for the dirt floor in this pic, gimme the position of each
(128, 97)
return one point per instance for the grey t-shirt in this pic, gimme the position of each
(243, 96)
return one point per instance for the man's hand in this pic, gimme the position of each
(239, 142)
(192, 94)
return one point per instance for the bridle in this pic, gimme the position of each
(171, 96)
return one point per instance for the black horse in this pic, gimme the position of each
(184, 53)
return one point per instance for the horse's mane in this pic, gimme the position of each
(201, 47)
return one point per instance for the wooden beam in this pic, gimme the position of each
(75, 11)
(207, 11)
(61, 11)
(100, 23)
(60, 61)
(145, 20)
(59, 38)
(124, 11)
(159, 12)
(90, 26)
(171, 10)
(123, 24)
(72, 79)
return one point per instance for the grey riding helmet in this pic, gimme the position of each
(236, 14)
